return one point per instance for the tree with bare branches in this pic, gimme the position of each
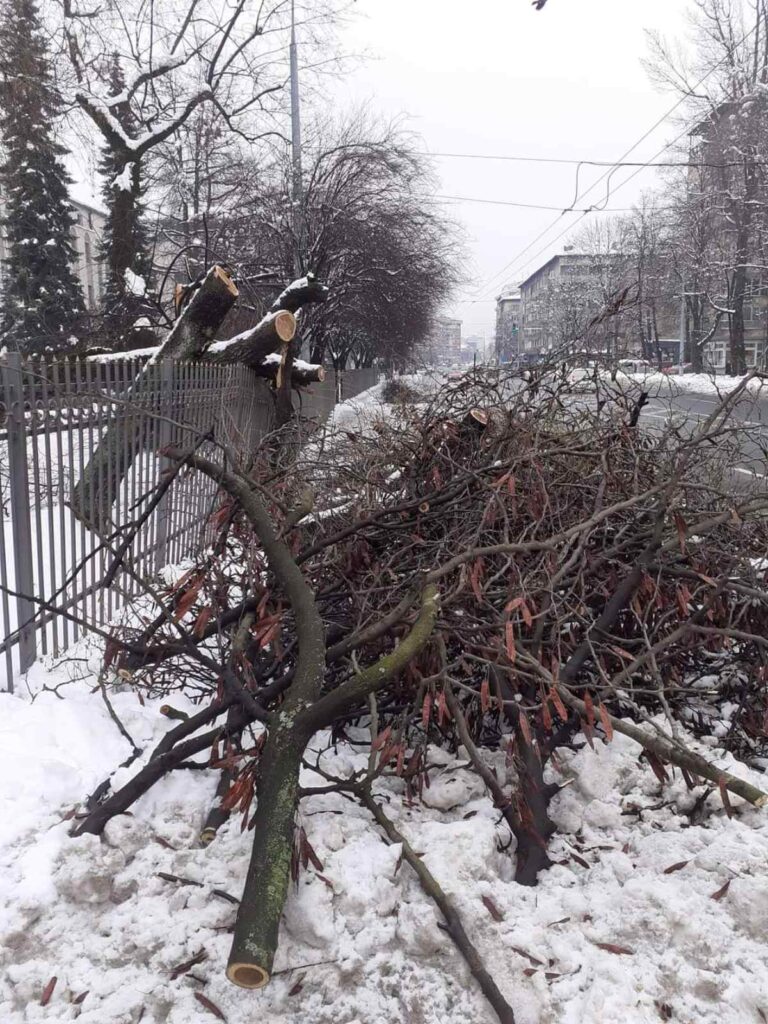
(176, 60)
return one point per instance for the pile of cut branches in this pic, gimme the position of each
(503, 564)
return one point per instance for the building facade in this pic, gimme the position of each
(87, 234)
(442, 347)
(726, 197)
(567, 307)
(508, 310)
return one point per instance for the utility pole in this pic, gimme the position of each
(297, 189)
(682, 329)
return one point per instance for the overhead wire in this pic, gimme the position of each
(490, 283)
(571, 161)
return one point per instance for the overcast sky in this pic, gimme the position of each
(498, 77)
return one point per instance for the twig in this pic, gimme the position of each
(455, 928)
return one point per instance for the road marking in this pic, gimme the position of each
(750, 472)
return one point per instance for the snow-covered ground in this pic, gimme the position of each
(680, 908)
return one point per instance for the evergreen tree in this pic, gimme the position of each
(42, 297)
(124, 246)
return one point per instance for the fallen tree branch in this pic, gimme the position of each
(675, 753)
(302, 373)
(252, 346)
(455, 927)
(196, 326)
(323, 712)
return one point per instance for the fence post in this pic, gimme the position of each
(18, 471)
(165, 403)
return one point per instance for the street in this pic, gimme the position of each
(751, 413)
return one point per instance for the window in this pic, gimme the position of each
(714, 354)
(754, 300)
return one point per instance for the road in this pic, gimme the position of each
(751, 413)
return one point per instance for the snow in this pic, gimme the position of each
(123, 181)
(135, 283)
(94, 913)
(134, 353)
(702, 383)
(665, 384)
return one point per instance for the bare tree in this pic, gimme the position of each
(369, 230)
(723, 81)
(177, 58)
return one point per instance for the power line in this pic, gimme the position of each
(490, 282)
(570, 227)
(532, 206)
(594, 163)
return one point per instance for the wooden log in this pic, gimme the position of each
(300, 293)
(252, 346)
(478, 418)
(301, 374)
(112, 458)
(201, 318)
(255, 348)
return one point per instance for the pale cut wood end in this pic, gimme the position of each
(226, 278)
(247, 975)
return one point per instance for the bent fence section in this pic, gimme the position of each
(53, 418)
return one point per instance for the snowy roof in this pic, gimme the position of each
(82, 194)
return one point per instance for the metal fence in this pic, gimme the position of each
(54, 420)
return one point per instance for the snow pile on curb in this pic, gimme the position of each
(653, 910)
(663, 385)
(701, 383)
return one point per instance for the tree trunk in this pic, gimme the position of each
(304, 291)
(100, 482)
(743, 219)
(199, 321)
(738, 354)
(269, 872)
(697, 333)
(95, 492)
(252, 346)
(302, 373)
(189, 338)
(123, 308)
(657, 354)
